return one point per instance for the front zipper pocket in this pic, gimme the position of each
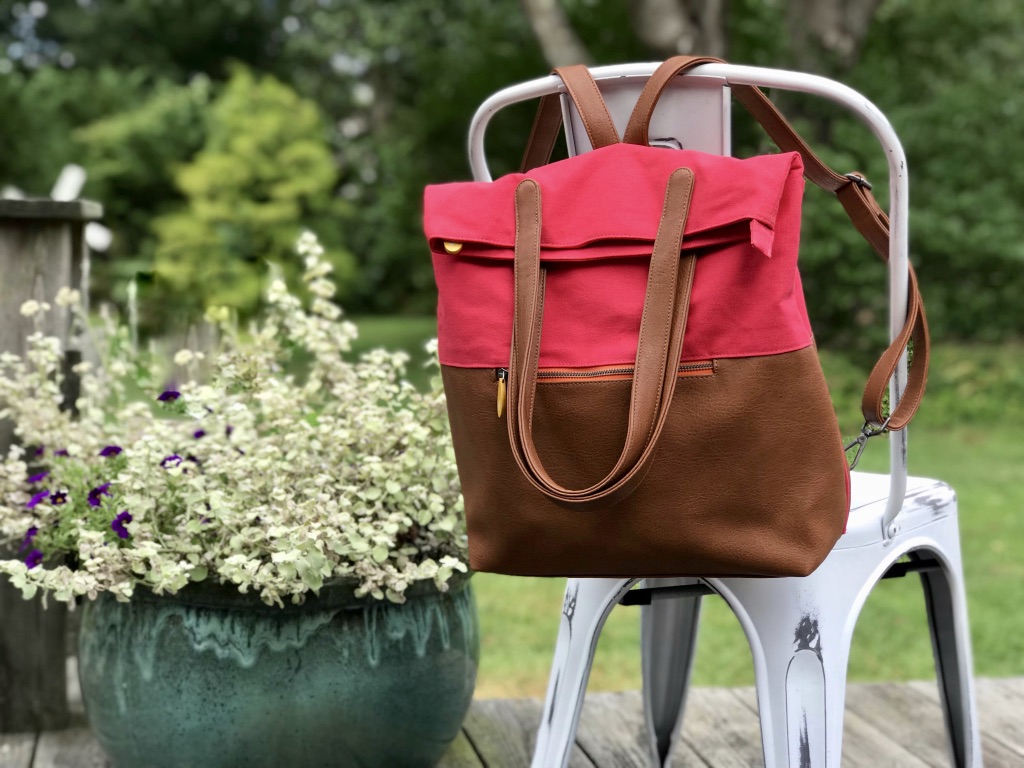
(598, 373)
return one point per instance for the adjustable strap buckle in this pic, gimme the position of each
(859, 180)
(866, 433)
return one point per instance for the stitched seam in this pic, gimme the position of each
(759, 353)
(585, 382)
(472, 239)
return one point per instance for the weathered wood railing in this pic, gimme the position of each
(42, 249)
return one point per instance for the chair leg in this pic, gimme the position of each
(668, 634)
(951, 645)
(587, 604)
(800, 632)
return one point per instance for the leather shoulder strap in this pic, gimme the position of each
(547, 124)
(860, 205)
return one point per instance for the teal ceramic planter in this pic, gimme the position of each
(214, 679)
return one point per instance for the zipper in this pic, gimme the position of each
(610, 372)
(501, 374)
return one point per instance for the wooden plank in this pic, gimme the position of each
(504, 731)
(886, 724)
(72, 748)
(33, 686)
(36, 259)
(1009, 698)
(16, 750)
(863, 745)
(612, 732)
(461, 754)
(999, 748)
(722, 729)
(905, 716)
(73, 210)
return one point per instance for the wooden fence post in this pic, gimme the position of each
(42, 249)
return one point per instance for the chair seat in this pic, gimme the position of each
(926, 501)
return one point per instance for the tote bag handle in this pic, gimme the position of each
(663, 325)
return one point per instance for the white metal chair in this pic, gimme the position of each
(799, 629)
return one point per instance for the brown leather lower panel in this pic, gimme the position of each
(749, 477)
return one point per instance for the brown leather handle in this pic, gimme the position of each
(666, 306)
(583, 91)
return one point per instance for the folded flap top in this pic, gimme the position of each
(610, 201)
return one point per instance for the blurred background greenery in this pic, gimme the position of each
(212, 132)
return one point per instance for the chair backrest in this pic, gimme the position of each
(695, 114)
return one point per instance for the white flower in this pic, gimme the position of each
(30, 308)
(68, 297)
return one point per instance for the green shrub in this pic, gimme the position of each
(131, 156)
(264, 173)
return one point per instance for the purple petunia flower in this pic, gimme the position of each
(61, 452)
(171, 461)
(38, 478)
(199, 433)
(35, 557)
(97, 492)
(118, 524)
(40, 450)
(111, 450)
(59, 497)
(39, 497)
(169, 396)
(30, 534)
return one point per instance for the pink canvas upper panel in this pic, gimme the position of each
(600, 215)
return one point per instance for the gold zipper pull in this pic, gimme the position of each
(501, 374)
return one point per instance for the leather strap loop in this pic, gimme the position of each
(589, 103)
(659, 349)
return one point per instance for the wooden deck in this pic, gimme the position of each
(887, 725)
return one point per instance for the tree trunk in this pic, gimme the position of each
(558, 40)
(671, 27)
(826, 36)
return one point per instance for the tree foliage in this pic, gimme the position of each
(263, 174)
(132, 156)
(398, 81)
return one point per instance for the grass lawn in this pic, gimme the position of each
(958, 437)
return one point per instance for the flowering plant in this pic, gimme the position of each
(271, 481)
